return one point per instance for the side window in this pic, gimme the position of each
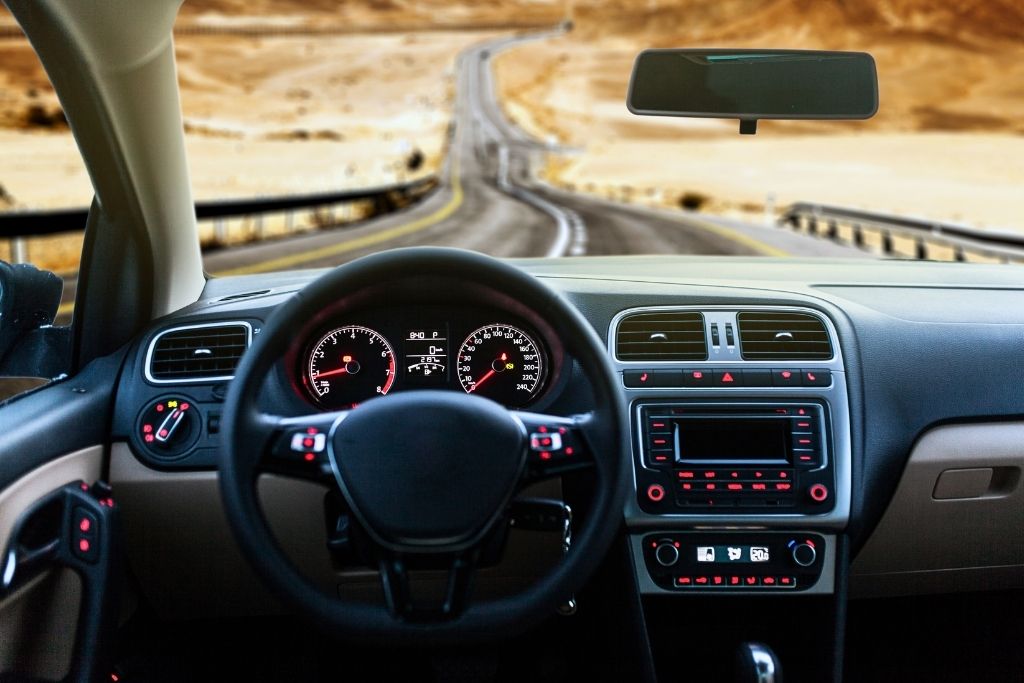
(44, 196)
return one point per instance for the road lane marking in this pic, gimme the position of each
(739, 237)
(284, 262)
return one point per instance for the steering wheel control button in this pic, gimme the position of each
(546, 442)
(656, 493)
(303, 441)
(818, 493)
(803, 552)
(168, 427)
(816, 378)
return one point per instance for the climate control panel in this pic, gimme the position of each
(729, 562)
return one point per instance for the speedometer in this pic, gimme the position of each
(349, 365)
(502, 363)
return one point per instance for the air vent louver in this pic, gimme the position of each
(775, 335)
(198, 353)
(661, 336)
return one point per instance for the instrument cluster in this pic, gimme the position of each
(479, 351)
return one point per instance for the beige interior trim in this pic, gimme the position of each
(112, 66)
(86, 464)
(38, 621)
(954, 522)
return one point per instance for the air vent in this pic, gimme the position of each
(776, 335)
(197, 353)
(661, 336)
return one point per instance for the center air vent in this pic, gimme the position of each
(197, 353)
(661, 336)
(775, 335)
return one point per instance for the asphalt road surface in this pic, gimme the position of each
(489, 201)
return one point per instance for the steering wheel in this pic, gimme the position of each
(428, 475)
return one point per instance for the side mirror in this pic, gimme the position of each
(29, 299)
(750, 85)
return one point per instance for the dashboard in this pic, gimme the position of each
(912, 348)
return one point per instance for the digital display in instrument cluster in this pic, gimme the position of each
(426, 355)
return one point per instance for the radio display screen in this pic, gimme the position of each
(720, 439)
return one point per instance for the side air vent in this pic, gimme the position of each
(661, 336)
(197, 353)
(776, 335)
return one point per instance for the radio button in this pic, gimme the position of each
(662, 457)
(804, 441)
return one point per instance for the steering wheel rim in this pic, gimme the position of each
(482, 620)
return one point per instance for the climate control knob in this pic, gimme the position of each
(667, 554)
(804, 554)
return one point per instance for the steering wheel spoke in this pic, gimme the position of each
(394, 575)
(555, 444)
(296, 447)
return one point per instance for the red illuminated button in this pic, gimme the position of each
(701, 580)
(818, 493)
(728, 378)
(696, 378)
(684, 581)
(759, 487)
(84, 524)
(84, 545)
(787, 581)
(816, 378)
(786, 378)
(717, 580)
(656, 492)
(685, 475)
(710, 474)
(768, 581)
(751, 581)
(734, 487)
(687, 486)
(783, 486)
(734, 581)
(710, 487)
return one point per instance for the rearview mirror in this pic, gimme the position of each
(754, 84)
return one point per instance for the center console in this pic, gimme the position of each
(741, 460)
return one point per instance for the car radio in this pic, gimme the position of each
(755, 457)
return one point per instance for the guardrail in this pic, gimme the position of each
(903, 237)
(253, 214)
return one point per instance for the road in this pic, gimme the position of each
(489, 201)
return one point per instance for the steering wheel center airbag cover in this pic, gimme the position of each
(428, 470)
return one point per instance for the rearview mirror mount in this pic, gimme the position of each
(750, 85)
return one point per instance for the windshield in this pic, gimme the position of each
(317, 133)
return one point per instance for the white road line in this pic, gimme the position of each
(571, 235)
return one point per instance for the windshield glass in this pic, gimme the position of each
(317, 133)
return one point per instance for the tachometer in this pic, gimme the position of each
(349, 365)
(502, 363)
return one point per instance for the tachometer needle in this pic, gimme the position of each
(340, 371)
(476, 384)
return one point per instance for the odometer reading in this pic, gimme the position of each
(349, 365)
(502, 363)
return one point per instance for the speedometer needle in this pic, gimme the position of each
(480, 381)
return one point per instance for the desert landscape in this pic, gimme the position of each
(284, 97)
(947, 143)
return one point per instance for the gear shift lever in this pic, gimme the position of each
(756, 663)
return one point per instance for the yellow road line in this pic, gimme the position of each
(290, 260)
(738, 237)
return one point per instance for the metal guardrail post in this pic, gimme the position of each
(958, 254)
(858, 235)
(886, 242)
(812, 226)
(833, 230)
(220, 233)
(921, 249)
